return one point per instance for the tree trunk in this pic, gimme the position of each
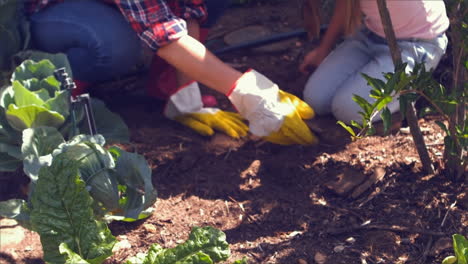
(411, 116)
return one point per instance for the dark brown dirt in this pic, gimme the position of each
(277, 204)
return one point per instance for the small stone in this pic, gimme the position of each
(301, 261)
(339, 249)
(150, 228)
(123, 244)
(320, 258)
(350, 240)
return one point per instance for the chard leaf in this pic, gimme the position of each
(24, 97)
(11, 150)
(8, 163)
(49, 84)
(109, 124)
(204, 245)
(7, 134)
(60, 60)
(60, 103)
(134, 173)
(38, 145)
(6, 97)
(460, 246)
(70, 256)
(95, 168)
(30, 69)
(40, 141)
(61, 213)
(21, 118)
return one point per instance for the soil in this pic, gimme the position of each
(366, 201)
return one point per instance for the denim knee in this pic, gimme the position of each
(80, 29)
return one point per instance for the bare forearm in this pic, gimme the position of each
(192, 58)
(336, 27)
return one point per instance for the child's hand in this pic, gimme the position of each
(312, 60)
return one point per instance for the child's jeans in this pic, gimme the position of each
(331, 87)
(100, 44)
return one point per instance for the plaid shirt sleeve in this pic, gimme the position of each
(159, 22)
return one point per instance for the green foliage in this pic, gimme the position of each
(460, 246)
(61, 212)
(205, 245)
(409, 87)
(14, 32)
(35, 100)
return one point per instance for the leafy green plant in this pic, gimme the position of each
(34, 99)
(460, 246)
(450, 103)
(79, 186)
(118, 181)
(205, 245)
(61, 212)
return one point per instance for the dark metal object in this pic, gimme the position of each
(67, 84)
(300, 33)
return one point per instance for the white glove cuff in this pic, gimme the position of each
(257, 99)
(186, 100)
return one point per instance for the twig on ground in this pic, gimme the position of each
(446, 214)
(241, 206)
(376, 193)
(394, 228)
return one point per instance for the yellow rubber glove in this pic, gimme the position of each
(186, 107)
(294, 130)
(273, 114)
(211, 119)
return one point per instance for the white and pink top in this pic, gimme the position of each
(422, 19)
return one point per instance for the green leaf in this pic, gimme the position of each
(38, 144)
(109, 124)
(134, 173)
(450, 260)
(374, 82)
(31, 116)
(96, 165)
(49, 84)
(13, 34)
(59, 60)
(71, 257)
(443, 126)
(241, 261)
(9, 163)
(460, 246)
(383, 102)
(204, 245)
(348, 128)
(11, 150)
(363, 103)
(40, 141)
(30, 69)
(61, 213)
(6, 97)
(24, 97)
(386, 116)
(60, 103)
(356, 124)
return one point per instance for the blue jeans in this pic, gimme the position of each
(100, 44)
(331, 87)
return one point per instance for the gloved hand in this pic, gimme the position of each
(272, 113)
(186, 107)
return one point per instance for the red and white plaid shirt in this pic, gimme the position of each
(157, 22)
